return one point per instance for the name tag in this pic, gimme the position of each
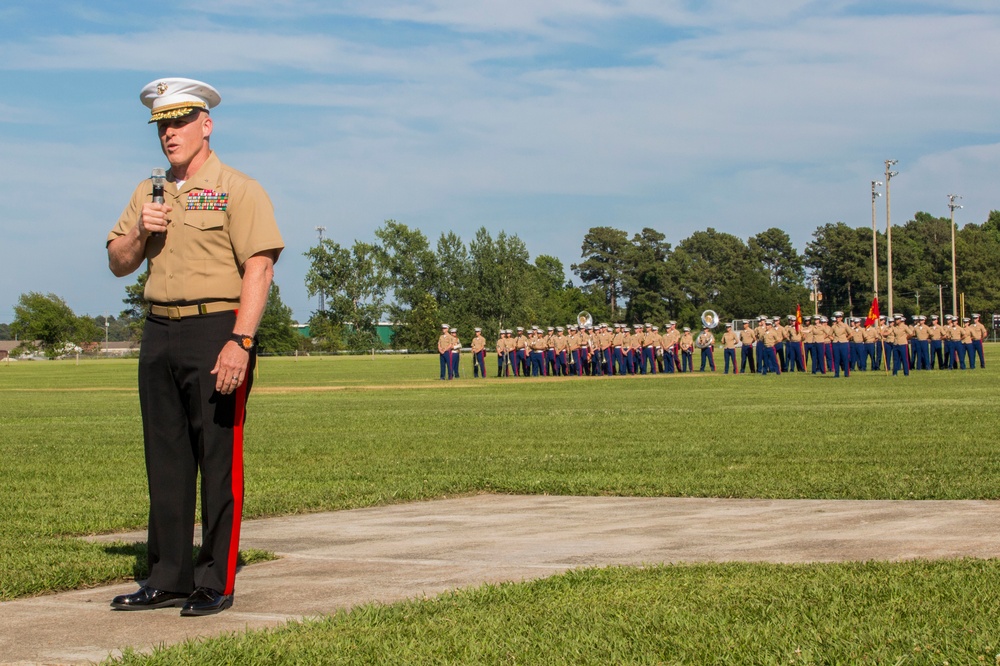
(207, 200)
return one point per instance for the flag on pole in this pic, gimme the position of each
(873, 313)
(798, 317)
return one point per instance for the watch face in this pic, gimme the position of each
(247, 342)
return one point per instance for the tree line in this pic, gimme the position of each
(492, 282)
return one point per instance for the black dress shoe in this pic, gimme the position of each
(206, 601)
(146, 598)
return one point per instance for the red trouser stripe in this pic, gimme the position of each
(234, 538)
(239, 417)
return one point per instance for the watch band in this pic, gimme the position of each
(245, 342)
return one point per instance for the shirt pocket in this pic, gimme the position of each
(206, 236)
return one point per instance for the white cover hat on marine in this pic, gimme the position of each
(175, 98)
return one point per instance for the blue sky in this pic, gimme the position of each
(541, 119)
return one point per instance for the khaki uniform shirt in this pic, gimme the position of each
(747, 336)
(857, 334)
(729, 340)
(900, 334)
(923, 332)
(444, 343)
(687, 342)
(807, 334)
(220, 218)
(671, 338)
(870, 334)
(706, 339)
(478, 344)
(771, 337)
(840, 332)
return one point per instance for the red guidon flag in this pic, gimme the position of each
(872, 313)
(798, 317)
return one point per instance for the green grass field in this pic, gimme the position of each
(338, 432)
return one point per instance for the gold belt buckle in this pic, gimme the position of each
(203, 308)
(174, 311)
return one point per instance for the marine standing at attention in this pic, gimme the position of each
(210, 248)
(444, 352)
(478, 349)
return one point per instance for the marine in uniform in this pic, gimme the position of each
(503, 366)
(520, 353)
(759, 336)
(900, 336)
(456, 351)
(729, 342)
(966, 351)
(478, 349)
(921, 344)
(686, 345)
(747, 339)
(706, 343)
(669, 341)
(770, 341)
(870, 341)
(444, 352)
(210, 249)
(560, 344)
(936, 335)
(979, 334)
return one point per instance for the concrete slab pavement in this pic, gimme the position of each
(331, 561)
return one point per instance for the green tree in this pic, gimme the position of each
(275, 334)
(840, 257)
(603, 266)
(453, 289)
(776, 283)
(351, 281)
(712, 269)
(498, 281)
(421, 328)
(412, 272)
(50, 321)
(137, 308)
(645, 281)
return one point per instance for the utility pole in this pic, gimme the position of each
(322, 298)
(815, 284)
(875, 195)
(954, 271)
(888, 228)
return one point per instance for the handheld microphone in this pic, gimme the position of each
(159, 178)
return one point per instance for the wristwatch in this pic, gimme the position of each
(244, 341)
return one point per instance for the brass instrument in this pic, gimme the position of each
(709, 319)
(584, 319)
